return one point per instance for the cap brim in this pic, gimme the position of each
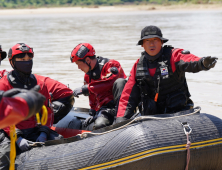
(140, 42)
(3, 54)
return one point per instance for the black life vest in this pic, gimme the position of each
(95, 73)
(173, 90)
(17, 82)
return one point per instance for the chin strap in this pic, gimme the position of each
(89, 70)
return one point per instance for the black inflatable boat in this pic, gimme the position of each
(146, 143)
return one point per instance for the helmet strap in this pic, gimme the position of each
(89, 72)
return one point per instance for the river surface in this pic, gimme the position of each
(114, 35)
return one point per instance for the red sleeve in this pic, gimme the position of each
(106, 78)
(13, 110)
(57, 89)
(130, 96)
(185, 62)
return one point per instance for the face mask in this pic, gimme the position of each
(24, 66)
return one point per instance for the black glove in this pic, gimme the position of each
(34, 99)
(81, 90)
(77, 92)
(209, 62)
(112, 112)
(12, 92)
(90, 119)
(85, 90)
(92, 112)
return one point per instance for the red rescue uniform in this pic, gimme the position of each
(100, 82)
(31, 122)
(178, 64)
(57, 89)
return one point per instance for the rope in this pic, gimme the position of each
(38, 118)
(13, 137)
(138, 119)
(44, 116)
(188, 151)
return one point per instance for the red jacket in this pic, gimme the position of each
(12, 111)
(31, 122)
(57, 89)
(100, 88)
(130, 97)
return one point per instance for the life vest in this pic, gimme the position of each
(171, 86)
(17, 83)
(96, 72)
(14, 82)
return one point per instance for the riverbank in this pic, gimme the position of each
(120, 8)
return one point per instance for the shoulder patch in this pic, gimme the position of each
(185, 52)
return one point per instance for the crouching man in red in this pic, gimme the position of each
(103, 82)
(20, 57)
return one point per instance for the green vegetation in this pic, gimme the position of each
(94, 3)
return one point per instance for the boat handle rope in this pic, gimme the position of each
(84, 135)
(187, 130)
(13, 136)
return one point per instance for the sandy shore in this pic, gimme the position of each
(178, 7)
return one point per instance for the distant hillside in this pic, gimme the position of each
(57, 3)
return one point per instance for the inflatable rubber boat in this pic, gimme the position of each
(145, 143)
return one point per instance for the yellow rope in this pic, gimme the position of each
(44, 116)
(13, 137)
(38, 118)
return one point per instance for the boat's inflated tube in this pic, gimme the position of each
(143, 145)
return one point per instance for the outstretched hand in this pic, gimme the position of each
(209, 62)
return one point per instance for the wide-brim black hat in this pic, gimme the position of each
(151, 32)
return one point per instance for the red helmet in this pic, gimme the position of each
(81, 51)
(19, 49)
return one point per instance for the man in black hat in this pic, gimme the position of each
(3, 54)
(157, 80)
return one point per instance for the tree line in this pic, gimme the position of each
(56, 3)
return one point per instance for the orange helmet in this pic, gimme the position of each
(19, 49)
(81, 51)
